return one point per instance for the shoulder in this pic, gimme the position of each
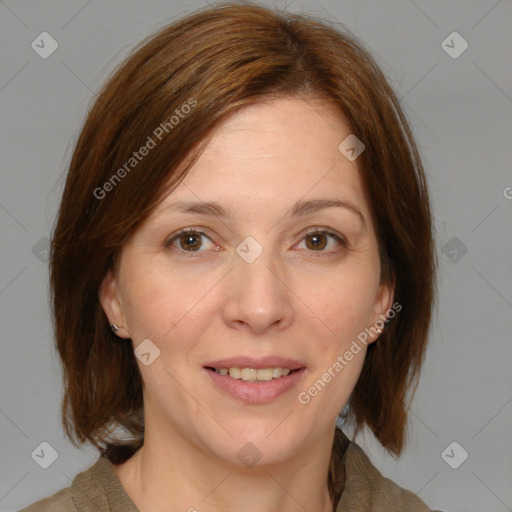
(61, 501)
(367, 489)
(97, 489)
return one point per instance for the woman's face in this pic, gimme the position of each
(269, 276)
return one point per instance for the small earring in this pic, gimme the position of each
(114, 327)
(379, 331)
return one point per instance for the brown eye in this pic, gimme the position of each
(190, 241)
(318, 241)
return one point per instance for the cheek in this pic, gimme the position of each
(341, 303)
(158, 303)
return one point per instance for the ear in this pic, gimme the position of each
(108, 295)
(383, 303)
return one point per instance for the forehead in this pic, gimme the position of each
(271, 153)
(292, 133)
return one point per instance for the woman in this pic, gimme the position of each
(243, 249)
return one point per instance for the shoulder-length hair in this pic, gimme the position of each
(169, 96)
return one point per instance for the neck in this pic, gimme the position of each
(168, 475)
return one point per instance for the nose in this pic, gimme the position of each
(258, 298)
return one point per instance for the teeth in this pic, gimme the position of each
(253, 374)
(235, 373)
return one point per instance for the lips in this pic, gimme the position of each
(242, 385)
(256, 363)
(252, 374)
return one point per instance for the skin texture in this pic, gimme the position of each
(295, 300)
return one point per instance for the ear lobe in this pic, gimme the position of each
(108, 295)
(383, 303)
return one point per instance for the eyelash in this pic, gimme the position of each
(198, 254)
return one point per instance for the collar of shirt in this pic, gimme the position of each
(360, 484)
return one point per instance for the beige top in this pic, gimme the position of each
(98, 489)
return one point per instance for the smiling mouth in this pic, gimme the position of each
(253, 374)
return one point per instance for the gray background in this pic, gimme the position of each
(461, 113)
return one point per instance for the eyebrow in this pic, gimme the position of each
(299, 209)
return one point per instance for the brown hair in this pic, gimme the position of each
(219, 60)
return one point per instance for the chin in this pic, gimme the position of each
(264, 443)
